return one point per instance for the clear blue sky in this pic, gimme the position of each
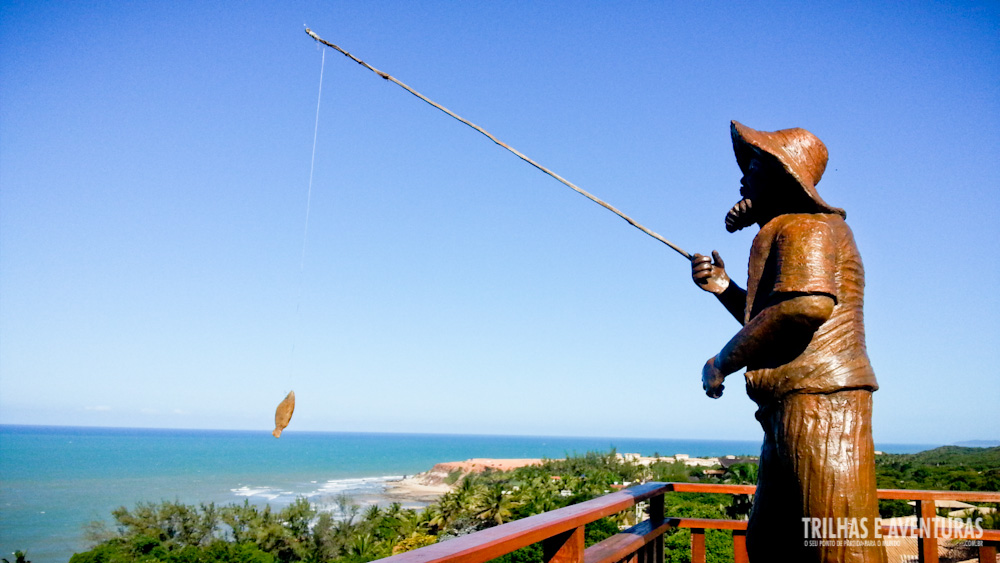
(154, 166)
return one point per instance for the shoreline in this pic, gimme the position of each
(411, 490)
(431, 485)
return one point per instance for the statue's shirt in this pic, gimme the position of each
(810, 254)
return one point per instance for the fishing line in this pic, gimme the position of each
(283, 414)
(305, 229)
(312, 162)
(517, 153)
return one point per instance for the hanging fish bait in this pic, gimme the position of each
(283, 414)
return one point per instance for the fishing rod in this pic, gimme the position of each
(569, 184)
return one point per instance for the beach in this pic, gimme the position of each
(430, 485)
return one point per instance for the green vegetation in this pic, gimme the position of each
(948, 468)
(19, 557)
(453, 477)
(172, 532)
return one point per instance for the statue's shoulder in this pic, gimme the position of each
(794, 230)
(791, 223)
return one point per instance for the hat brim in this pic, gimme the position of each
(749, 143)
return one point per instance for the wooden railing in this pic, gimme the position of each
(561, 532)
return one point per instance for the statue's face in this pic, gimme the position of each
(761, 187)
(755, 182)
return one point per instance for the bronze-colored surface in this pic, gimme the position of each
(803, 347)
(797, 151)
(812, 256)
(818, 460)
(283, 414)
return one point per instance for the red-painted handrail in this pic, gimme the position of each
(561, 531)
(493, 542)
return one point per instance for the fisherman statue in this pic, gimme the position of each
(803, 347)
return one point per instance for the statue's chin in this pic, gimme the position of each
(740, 216)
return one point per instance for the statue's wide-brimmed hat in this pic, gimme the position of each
(802, 155)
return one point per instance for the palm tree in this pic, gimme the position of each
(743, 474)
(539, 496)
(372, 513)
(19, 557)
(363, 546)
(495, 504)
(394, 510)
(446, 510)
(467, 490)
(406, 522)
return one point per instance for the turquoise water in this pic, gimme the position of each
(53, 480)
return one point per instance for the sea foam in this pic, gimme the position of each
(320, 495)
(266, 493)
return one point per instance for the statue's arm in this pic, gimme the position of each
(780, 332)
(804, 287)
(709, 273)
(734, 299)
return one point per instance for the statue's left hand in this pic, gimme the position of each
(711, 379)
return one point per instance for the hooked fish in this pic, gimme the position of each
(283, 414)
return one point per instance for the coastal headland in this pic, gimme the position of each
(430, 485)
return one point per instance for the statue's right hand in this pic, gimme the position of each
(712, 378)
(709, 273)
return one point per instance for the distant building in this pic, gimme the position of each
(729, 461)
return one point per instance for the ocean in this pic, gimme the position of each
(54, 480)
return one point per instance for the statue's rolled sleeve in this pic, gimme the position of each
(805, 259)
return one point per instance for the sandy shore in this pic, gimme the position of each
(478, 465)
(431, 485)
(410, 490)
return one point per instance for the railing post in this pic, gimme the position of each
(697, 545)
(927, 545)
(646, 554)
(988, 552)
(566, 547)
(740, 546)
(656, 515)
